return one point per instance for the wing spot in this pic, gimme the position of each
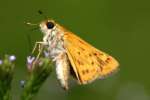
(90, 55)
(80, 62)
(82, 48)
(87, 71)
(102, 63)
(79, 52)
(81, 42)
(95, 54)
(101, 68)
(108, 59)
(83, 72)
(92, 63)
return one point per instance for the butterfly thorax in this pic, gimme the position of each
(53, 39)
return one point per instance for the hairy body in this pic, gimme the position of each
(53, 40)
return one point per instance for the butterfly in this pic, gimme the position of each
(74, 56)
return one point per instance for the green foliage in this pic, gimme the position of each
(37, 76)
(6, 76)
(38, 71)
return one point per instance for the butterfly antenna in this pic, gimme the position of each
(41, 13)
(31, 24)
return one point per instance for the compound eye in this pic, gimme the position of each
(50, 25)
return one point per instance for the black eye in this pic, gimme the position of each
(50, 25)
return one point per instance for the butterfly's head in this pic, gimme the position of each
(47, 26)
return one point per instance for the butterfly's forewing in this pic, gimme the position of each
(88, 63)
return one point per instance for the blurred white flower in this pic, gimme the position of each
(30, 60)
(22, 83)
(1, 62)
(12, 58)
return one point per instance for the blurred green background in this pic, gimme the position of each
(118, 27)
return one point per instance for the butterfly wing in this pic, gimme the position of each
(88, 62)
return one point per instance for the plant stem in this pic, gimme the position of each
(36, 78)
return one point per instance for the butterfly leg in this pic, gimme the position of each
(40, 47)
(62, 69)
(37, 44)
